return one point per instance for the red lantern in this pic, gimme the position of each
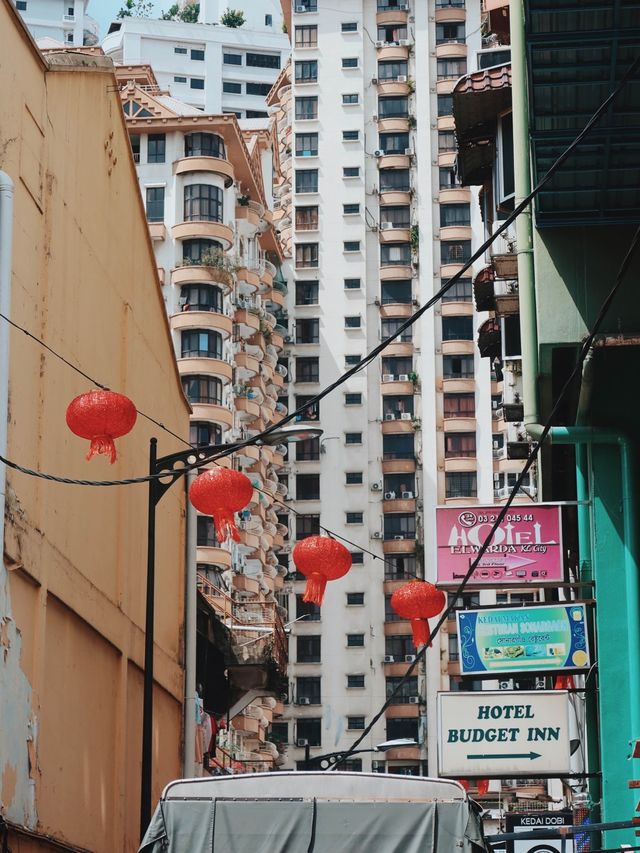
(320, 559)
(418, 601)
(101, 416)
(220, 492)
(465, 784)
(483, 787)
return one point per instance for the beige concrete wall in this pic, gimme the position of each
(72, 587)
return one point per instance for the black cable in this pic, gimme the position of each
(586, 346)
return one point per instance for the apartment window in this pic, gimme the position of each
(308, 651)
(389, 327)
(307, 255)
(179, 79)
(198, 343)
(350, 135)
(506, 185)
(455, 215)
(355, 599)
(399, 646)
(352, 284)
(232, 58)
(308, 609)
(258, 88)
(200, 251)
(457, 328)
(306, 36)
(357, 558)
(201, 297)
(202, 202)
(156, 147)
(307, 525)
(263, 60)
(459, 405)
(309, 411)
(445, 105)
(350, 98)
(182, 50)
(350, 209)
(459, 292)
(455, 251)
(395, 107)
(306, 70)
(354, 724)
(398, 215)
(402, 727)
(307, 218)
(205, 533)
(353, 322)
(395, 291)
(398, 446)
(308, 487)
(268, 20)
(203, 433)
(355, 682)
(450, 32)
(232, 88)
(400, 526)
(306, 291)
(461, 484)
(309, 729)
(351, 171)
(444, 4)
(400, 567)
(391, 33)
(396, 366)
(354, 517)
(390, 614)
(459, 445)
(355, 641)
(353, 400)
(408, 689)
(350, 61)
(349, 26)
(306, 180)
(197, 54)
(453, 647)
(353, 438)
(352, 359)
(395, 254)
(203, 389)
(446, 141)
(308, 451)
(394, 179)
(307, 369)
(450, 69)
(196, 82)
(448, 178)
(391, 70)
(467, 685)
(353, 478)
(457, 367)
(400, 485)
(155, 204)
(306, 108)
(351, 246)
(204, 145)
(306, 145)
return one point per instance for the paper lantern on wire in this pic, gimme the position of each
(465, 784)
(220, 492)
(483, 787)
(101, 416)
(418, 601)
(320, 559)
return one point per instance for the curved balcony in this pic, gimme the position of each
(393, 87)
(246, 365)
(247, 410)
(399, 667)
(396, 426)
(247, 322)
(451, 13)
(393, 271)
(394, 161)
(212, 412)
(446, 123)
(405, 753)
(401, 348)
(396, 309)
(393, 125)
(398, 505)
(398, 466)
(205, 366)
(157, 230)
(399, 197)
(447, 270)
(461, 464)
(277, 297)
(460, 424)
(456, 309)
(248, 215)
(454, 195)
(393, 51)
(451, 50)
(277, 338)
(456, 232)
(205, 164)
(214, 556)
(394, 235)
(248, 455)
(249, 279)
(202, 229)
(392, 16)
(202, 320)
(403, 710)
(246, 584)
(399, 546)
(196, 273)
(458, 347)
(447, 159)
(397, 388)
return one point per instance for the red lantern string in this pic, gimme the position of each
(418, 601)
(483, 787)
(220, 492)
(320, 559)
(465, 784)
(101, 416)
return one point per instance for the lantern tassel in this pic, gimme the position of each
(421, 632)
(225, 525)
(314, 591)
(102, 444)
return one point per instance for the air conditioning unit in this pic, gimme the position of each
(403, 43)
(304, 700)
(377, 534)
(389, 416)
(385, 226)
(407, 496)
(301, 8)
(375, 487)
(401, 79)
(403, 7)
(496, 478)
(409, 658)
(406, 416)
(288, 339)
(387, 377)
(507, 684)
(389, 496)
(398, 536)
(408, 152)
(496, 445)
(378, 153)
(375, 118)
(302, 741)
(414, 700)
(389, 659)
(403, 377)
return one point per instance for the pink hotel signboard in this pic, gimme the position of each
(527, 547)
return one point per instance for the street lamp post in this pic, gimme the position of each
(174, 466)
(333, 759)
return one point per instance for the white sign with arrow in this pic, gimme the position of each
(503, 733)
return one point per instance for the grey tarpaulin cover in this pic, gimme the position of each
(279, 813)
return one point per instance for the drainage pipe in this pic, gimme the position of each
(6, 243)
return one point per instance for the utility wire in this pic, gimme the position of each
(584, 350)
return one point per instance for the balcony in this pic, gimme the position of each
(203, 229)
(399, 505)
(394, 160)
(397, 385)
(213, 270)
(217, 320)
(205, 164)
(397, 15)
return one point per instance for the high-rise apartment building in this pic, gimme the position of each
(65, 21)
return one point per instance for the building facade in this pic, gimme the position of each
(65, 21)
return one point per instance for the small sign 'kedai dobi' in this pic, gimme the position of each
(503, 733)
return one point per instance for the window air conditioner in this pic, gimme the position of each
(409, 658)
(387, 377)
(399, 536)
(376, 534)
(378, 153)
(401, 79)
(403, 7)
(389, 416)
(376, 118)
(403, 377)
(375, 487)
(407, 496)
(301, 8)
(385, 226)
(302, 741)
(379, 44)
(304, 700)
(406, 416)
(403, 43)
(389, 496)
(414, 700)
(389, 659)
(496, 445)
(496, 479)
(288, 339)
(374, 81)
(408, 152)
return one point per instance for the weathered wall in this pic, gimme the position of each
(73, 582)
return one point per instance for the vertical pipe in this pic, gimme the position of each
(147, 705)
(6, 245)
(190, 620)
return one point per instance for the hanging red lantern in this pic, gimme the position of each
(465, 784)
(418, 601)
(320, 559)
(563, 682)
(483, 787)
(101, 416)
(220, 492)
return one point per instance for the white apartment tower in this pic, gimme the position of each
(63, 21)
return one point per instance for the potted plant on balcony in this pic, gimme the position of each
(243, 201)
